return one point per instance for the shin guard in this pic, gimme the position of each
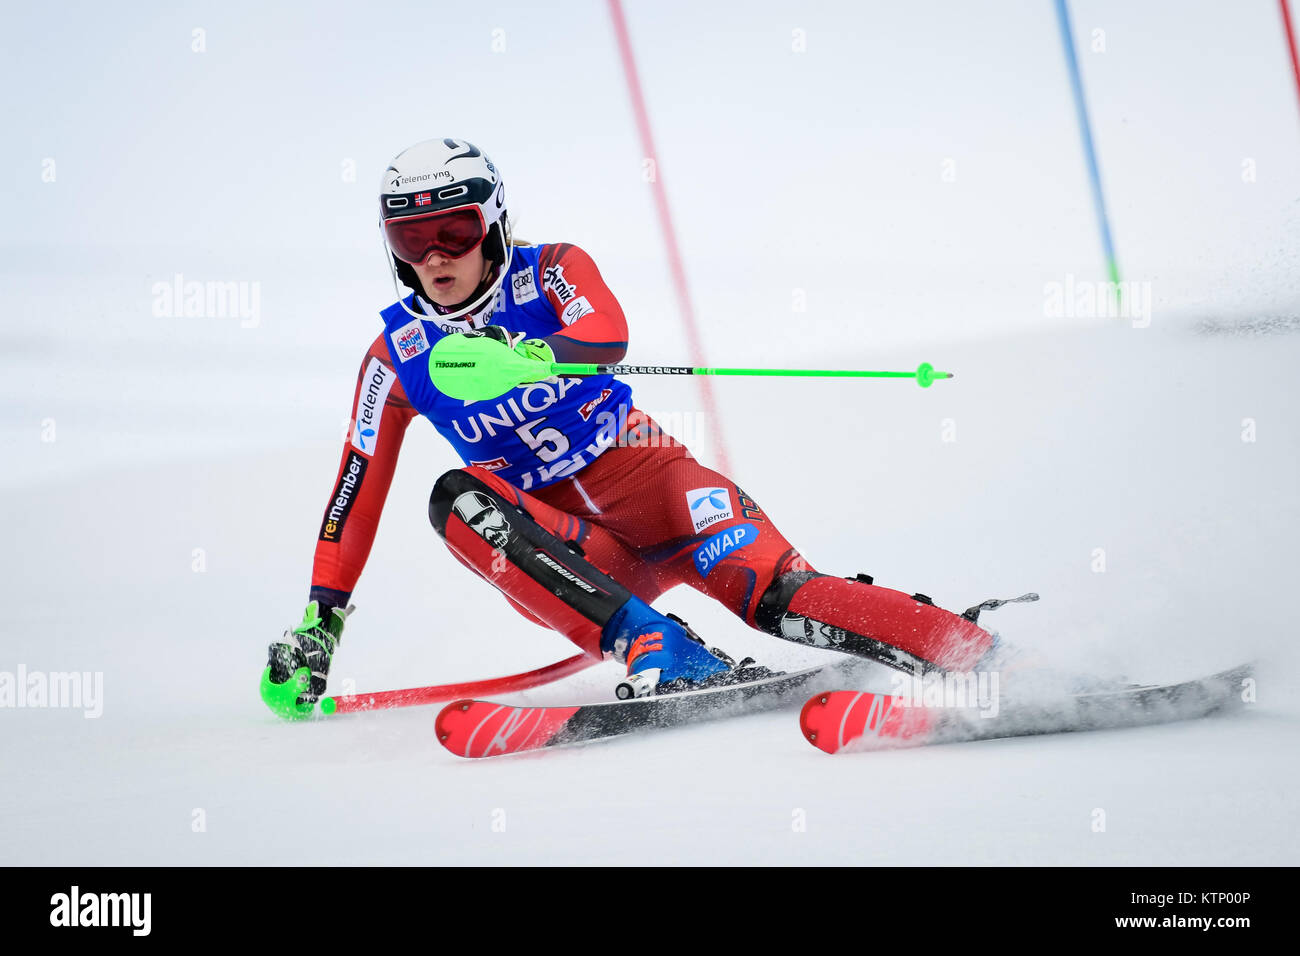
(853, 615)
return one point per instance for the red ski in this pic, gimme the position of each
(481, 728)
(837, 718)
(849, 720)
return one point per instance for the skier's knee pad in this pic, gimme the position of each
(444, 493)
(450, 493)
(538, 570)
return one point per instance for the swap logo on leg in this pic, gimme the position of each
(714, 549)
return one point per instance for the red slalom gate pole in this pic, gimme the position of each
(1289, 30)
(414, 696)
(675, 265)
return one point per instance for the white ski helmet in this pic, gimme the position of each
(444, 195)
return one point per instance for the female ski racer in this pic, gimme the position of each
(572, 502)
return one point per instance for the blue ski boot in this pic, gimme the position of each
(663, 655)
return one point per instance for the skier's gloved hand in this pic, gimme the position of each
(539, 350)
(298, 665)
(497, 334)
(535, 349)
(485, 363)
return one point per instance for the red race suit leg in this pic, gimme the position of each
(555, 568)
(646, 516)
(695, 526)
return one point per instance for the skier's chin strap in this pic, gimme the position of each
(474, 312)
(474, 319)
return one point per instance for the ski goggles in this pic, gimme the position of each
(450, 232)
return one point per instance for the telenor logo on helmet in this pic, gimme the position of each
(399, 180)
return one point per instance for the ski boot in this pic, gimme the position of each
(297, 666)
(664, 656)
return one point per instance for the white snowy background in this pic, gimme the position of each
(903, 188)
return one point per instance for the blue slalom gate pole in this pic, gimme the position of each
(1085, 131)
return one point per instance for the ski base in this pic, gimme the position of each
(848, 720)
(479, 728)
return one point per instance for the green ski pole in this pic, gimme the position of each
(475, 369)
(925, 374)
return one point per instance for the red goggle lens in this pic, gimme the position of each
(450, 232)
